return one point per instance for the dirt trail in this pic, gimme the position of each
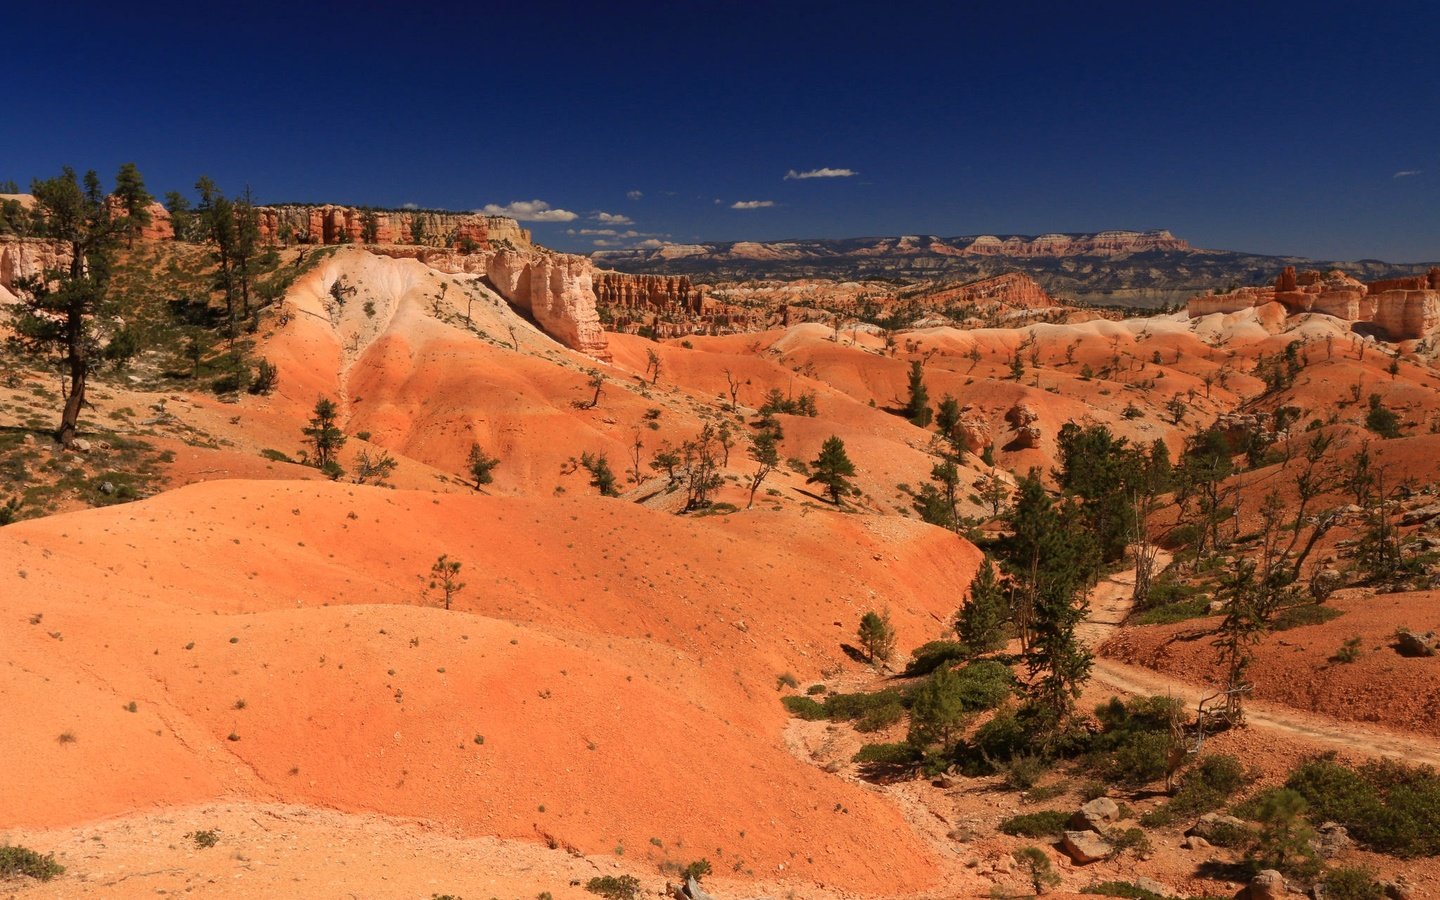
(1110, 602)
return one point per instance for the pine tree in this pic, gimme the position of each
(947, 418)
(326, 437)
(481, 466)
(57, 312)
(877, 636)
(766, 455)
(134, 201)
(833, 469)
(217, 223)
(980, 624)
(1053, 558)
(917, 410)
(937, 710)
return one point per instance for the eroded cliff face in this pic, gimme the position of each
(557, 290)
(1104, 243)
(664, 306)
(30, 257)
(159, 227)
(331, 224)
(1401, 308)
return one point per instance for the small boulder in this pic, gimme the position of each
(1097, 815)
(80, 445)
(1085, 847)
(1399, 889)
(1423, 514)
(1211, 824)
(1268, 885)
(1021, 414)
(1194, 842)
(1411, 644)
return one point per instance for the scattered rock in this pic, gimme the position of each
(107, 487)
(1331, 839)
(1399, 889)
(1097, 815)
(1268, 885)
(1154, 887)
(1086, 847)
(1211, 824)
(80, 445)
(1411, 644)
(1195, 842)
(1423, 514)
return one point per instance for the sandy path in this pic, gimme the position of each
(1110, 602)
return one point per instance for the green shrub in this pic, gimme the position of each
(1128, 840)
(696, 870)
(205, 839)
(786, 680)
(1207, 785)
(849, 707)
(803, 708)
(613, 887)
(1134, 744)
(275, 455)
(901, 754)
(1023, 771)
(22, 862)
(985, 684)
(1121, 889)
(1036, 824)
(928, 657)
(1352, 883)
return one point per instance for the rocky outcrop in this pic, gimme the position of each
(1013, 289)
(1027, 434)
(1097, 815)
(630, 294)
(666, 307)
(332, 224)
(30, 257)
(557, 290)
(1405, 315)
(1267, 885)
(1399, 308)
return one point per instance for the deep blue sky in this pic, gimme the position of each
(1266, 126)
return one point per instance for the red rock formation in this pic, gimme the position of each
(159, 228)
(1013, 289)
(667, 295)
(1402, 308)
(331, 224)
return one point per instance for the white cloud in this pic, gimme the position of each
(410, 206)
(793, 175)
(751, 204)
(606, 218)
(530, 211)
(1406, 173)
(652, 244)
(634, 195)
(601, 242)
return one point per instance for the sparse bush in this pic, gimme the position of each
(1034, 863)
(205, 839)
(1349, 651)
(786, 680)
(1023, 771)
(696, 870)
(614, 887)
(22, 862)
(1123, 889)
(1390, 807)
(1300, 616)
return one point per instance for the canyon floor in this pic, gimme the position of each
(247, 648)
